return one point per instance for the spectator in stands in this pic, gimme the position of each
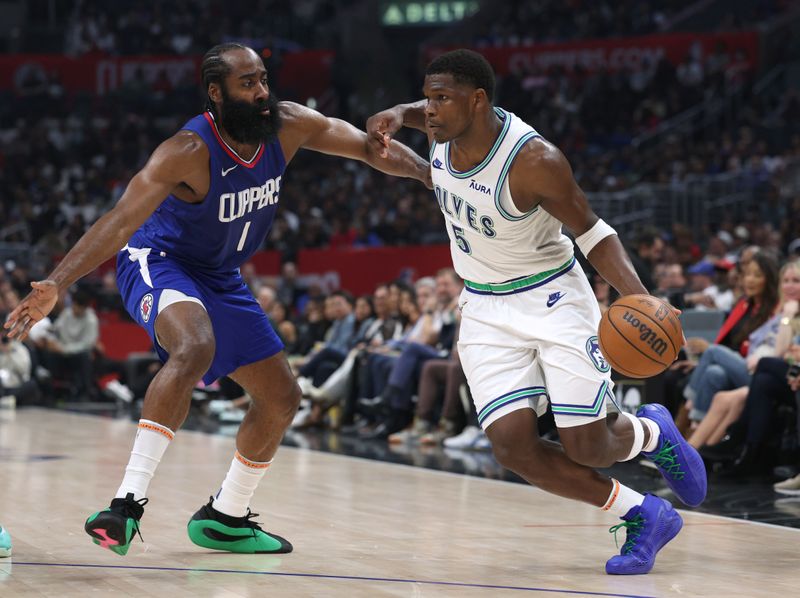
(16, 385)
(721, 366)
(311, 327)
(266, 298)
(286, 329)
(706, 292)
(376, 362)
(440, 381)
(338, 341)
(289, 290)
(341, 385)
(670, 284)
(648, 247)
(76, 331)
(766, 341)
(329, 384)
(435, 340)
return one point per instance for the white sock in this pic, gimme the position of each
(638, 435)
(241, 482)
(655, 434)
(622, 499)
(151, 441)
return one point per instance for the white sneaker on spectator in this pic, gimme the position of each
(217, 406)
(232, 416)
(303, 415)
(472, 438)
(119, 391)
(305, 385)
(790, 486)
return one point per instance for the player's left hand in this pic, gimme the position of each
(381, 127)
(39, 302)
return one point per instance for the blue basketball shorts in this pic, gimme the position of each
(150, 281)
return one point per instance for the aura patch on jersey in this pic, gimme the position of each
(594, 353)
(146, 307)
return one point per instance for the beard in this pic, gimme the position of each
(244, 122)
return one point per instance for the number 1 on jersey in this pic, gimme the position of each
(244, 236)
(461, 241)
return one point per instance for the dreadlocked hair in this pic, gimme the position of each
(214, 68)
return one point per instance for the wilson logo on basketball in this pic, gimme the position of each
(646, 334)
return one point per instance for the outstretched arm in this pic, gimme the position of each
(382, 126)
(306, 128)
(541, 176)
(170, 164)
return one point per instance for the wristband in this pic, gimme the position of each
(587, 241)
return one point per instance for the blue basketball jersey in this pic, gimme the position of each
(230, 224)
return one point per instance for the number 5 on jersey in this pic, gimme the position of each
(461, 240)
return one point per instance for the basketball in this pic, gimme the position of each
(640, 335)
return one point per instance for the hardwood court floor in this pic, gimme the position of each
(359, 527)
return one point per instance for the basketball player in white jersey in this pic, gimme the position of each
(529, 318)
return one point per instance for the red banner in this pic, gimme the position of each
(618, 53)
(361, 270)
(305, 74)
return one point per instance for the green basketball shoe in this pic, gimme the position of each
(211, 529)
(5, 542)
(115, 527)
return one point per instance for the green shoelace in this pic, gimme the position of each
(634, 530)
(666, 459)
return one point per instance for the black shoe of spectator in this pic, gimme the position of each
(748, 463)
(397, 420)
(726, 450)
(374, 406)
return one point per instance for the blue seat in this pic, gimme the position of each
(702, 323)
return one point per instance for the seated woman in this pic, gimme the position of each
(770, 340)
(722, 366)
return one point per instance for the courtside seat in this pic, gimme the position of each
(702, 323)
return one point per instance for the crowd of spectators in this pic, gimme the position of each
(384, 366)
(66, 157)
(192, 26)
(525, 22)
(63, 167)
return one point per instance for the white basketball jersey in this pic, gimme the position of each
(491, 241)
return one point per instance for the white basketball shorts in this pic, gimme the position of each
(531, 341)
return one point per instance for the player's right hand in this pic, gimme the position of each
(39, 302)
(381, 127)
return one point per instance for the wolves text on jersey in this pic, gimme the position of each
(236, 205)
(459, 208)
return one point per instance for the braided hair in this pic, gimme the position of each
(214, 68)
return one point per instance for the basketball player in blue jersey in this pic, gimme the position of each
(529, 317)
(199, 208)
